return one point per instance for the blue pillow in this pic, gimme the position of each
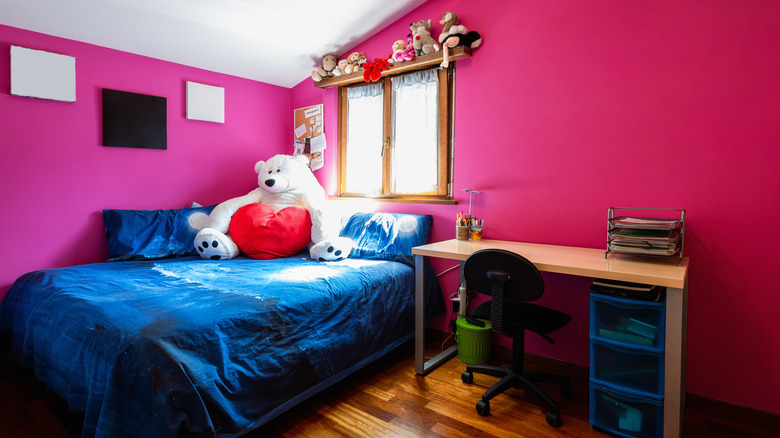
(150, 234)
(387, 236)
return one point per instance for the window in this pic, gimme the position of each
(394, 137)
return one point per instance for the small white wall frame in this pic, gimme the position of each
(205, 102)
(45, 75)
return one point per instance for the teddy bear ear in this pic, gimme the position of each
(258, 165)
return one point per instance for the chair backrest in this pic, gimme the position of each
(504, 275)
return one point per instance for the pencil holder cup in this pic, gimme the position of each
(476, 232)
(462, 233)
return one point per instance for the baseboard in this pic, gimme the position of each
(764, 419)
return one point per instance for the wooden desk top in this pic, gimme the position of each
(584, 262)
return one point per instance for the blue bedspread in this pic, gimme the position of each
(146, 348)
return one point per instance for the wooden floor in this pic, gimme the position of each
(387, 399)
(392, 401)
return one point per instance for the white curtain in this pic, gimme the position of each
(415, 132)
(364, 139)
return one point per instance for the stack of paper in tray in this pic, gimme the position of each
(636, 235)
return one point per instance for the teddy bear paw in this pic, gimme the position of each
(213, 245)
(331, 250)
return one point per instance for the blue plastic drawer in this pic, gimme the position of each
(636, 370)
(627, 322)
(625, 414)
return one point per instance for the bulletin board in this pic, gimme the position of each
(309, 134)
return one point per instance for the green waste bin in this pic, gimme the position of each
(473, 341)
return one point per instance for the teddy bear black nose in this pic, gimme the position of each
(270, 182)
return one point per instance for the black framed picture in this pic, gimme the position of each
(134, 120)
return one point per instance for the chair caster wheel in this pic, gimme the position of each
(483, 407)
(566, 390)
(554, 418)
(467, 377)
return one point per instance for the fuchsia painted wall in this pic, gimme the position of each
(571, 107)
(568, 108)
(55, 177)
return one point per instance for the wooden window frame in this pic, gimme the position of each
(446, 79)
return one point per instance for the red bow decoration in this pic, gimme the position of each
(372, 70)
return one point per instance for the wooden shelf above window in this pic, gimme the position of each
(418, 63)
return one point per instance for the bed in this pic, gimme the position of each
(161, 344)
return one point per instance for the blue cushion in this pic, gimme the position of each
(150, 234)
(387, 236)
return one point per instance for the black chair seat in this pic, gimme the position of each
(527, 316)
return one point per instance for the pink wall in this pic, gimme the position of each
(660, 104)
(571, 107)
(55, 177)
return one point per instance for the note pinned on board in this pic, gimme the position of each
(300, 131)
(312, 111)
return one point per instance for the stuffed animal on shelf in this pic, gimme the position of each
(355, 61)
(373, 70)
(471, 39)
(286, 213)
(421, 38)
(456, 35)
(326, 69)
(339, 70)
(402, 51)
(398, 47)
(450, 19)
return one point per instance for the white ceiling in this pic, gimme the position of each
(273, 41)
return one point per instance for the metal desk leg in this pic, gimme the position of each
(420, 366)
(674, 361)
(419, 315)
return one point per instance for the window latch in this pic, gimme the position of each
(385, 146)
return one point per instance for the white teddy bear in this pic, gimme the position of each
(283, 181)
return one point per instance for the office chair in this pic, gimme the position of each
(512, 280)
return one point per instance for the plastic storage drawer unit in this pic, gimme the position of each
(627, 368)
(627, 322)
(625, 414)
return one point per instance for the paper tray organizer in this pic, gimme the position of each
(646, 236)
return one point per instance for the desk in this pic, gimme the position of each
(584, 262)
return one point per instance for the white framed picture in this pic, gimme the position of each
(205, 102)
(45, 75)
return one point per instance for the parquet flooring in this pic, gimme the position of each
(392, 401)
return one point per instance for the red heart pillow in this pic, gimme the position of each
(263, 234)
